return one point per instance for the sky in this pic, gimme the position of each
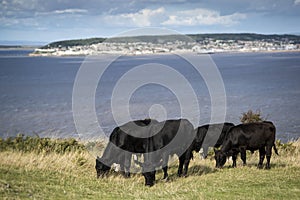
(53, 20)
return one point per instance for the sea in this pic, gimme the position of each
(36, 93)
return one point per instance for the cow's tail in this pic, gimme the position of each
(275, 149)
(273, 129)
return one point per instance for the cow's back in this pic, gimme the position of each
(175, 134)
(216, 133)
(132, 135)
(253, 135)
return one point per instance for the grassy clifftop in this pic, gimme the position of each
(168, 38)
(71, 175)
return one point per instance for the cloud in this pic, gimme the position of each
(63, 12)
(203, 17)
(70, 18)
(161, 16)
(70, 11)
(141, 18)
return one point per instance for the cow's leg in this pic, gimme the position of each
(186, 167)
(181, 161)
(127, 164)
(262, 153)
(243, 156)
(122, 162)
(268, 155)
(188, 156)
(165, 170)
(234, 156)
(122, 169)
(205, 151)
(165, 166)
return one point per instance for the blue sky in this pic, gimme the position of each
(52, 20)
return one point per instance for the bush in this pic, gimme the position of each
(95, 146)
(250, 117)
(288, 147)
(40, 145)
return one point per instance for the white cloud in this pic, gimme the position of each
(62, 12)
(141, 18)
(296, 2)
(202, 17)
(70, 11)
(160, 16)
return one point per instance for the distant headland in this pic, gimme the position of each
(156, 44)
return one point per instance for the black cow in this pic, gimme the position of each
(121, 146)
(252, 136)
(186, 141)
(215, 136)
(158, 141)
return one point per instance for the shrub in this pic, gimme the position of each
(250, 116)
(40, 145)
(288, 147)
(95, 146)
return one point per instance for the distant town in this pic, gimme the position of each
(200, 43)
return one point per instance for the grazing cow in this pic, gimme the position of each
(214, 137)
(121, 146)
(183, 146)
(158, 141)
(252, 136)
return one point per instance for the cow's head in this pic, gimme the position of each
(101, 168)
(220, 158)
(149, 178)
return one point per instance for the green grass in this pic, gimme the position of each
(32, 175)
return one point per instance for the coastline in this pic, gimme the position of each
(157, 53)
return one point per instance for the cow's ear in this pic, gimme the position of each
(215, 150)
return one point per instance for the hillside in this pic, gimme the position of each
(168, 38)
(70, 174)
(70, 43)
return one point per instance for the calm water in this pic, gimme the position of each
(36, 92)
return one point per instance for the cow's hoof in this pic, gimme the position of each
(259, 166)
(127, 175)
(149, 185)
(166, 179)
(268, 167)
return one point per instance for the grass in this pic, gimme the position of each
(71, 175)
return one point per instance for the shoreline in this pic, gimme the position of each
(155, 54)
